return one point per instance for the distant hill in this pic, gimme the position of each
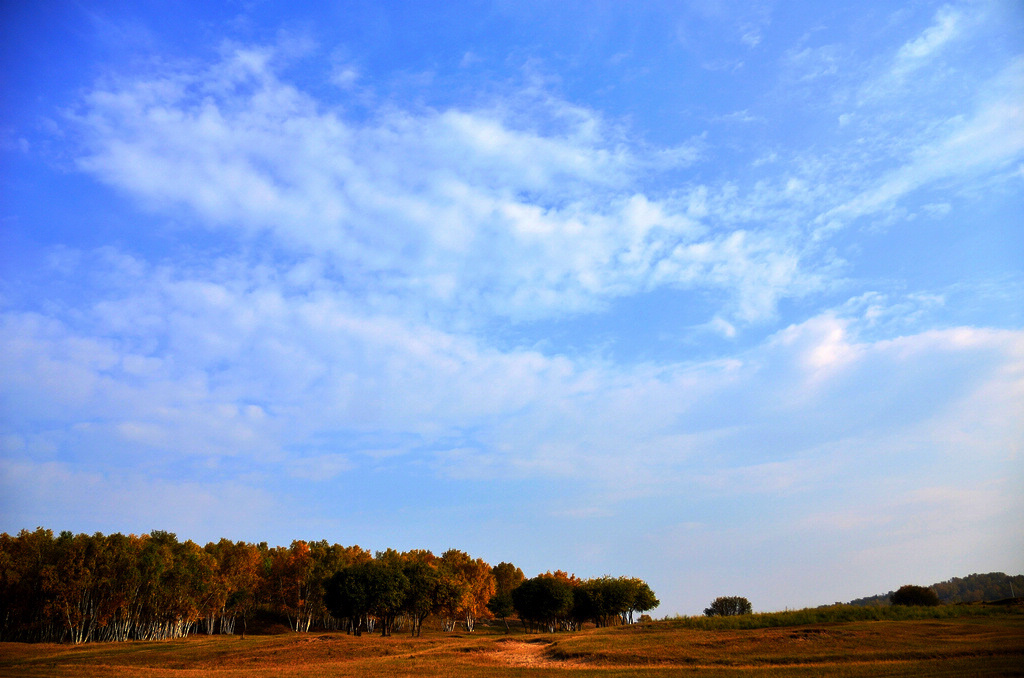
(973, 588)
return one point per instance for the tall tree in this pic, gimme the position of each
(422, 596)
(389, 589)
(348, 595)
(471, 585)
(293, 582)
(644, 599)
(506, 577)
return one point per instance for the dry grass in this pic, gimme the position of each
(977, 646)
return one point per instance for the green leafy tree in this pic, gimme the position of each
(501, 606)
(506, 577)
(914, 595)
(348, 595)
(601, 601)
(421, 597)
(389, 589)
(611, 600)
(544, 600)
(644, 599)
(728, 606)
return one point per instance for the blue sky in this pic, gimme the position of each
(724, 295)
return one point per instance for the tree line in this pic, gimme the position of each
(974, 588)
(83, 588)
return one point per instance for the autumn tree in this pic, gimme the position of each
(83, 588)
(506, 578)
(292, 583)
(70, 584)
(452, 588)
(240, 568)
(27, 610)
(121, 585)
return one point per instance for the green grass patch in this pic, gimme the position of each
(841, 613)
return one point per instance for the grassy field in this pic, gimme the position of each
(983, 644)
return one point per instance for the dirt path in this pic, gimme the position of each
(527, 654)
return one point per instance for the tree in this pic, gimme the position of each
(728, 606)
(481, 588)
(328, 559)
(611, 600)
(501, 606)
(239, 567)
(292, 574)
(914, 595)
(83, 588)
(506, 578)
(71, 582)
(120, 583)
(464, 589)
(544, 600)
(421, 597)
(644, 599)
(603, 601)
(348, 595)
(389, 589)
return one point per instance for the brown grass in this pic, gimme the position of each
(976, 646)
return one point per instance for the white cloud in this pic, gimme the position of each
(289, 377)
(990, 138)
(751, 37)
(946, 27)
(319, 468)
(812, 63)
(228, 364)
(525, 209)
(345, 76)
(494, 284)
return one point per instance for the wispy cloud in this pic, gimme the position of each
(989, 139)
(913, 54)
(519, 211)
(248, 367)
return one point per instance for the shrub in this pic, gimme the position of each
(914, 595)
(728, 606)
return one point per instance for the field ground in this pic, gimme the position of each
(967, 646)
